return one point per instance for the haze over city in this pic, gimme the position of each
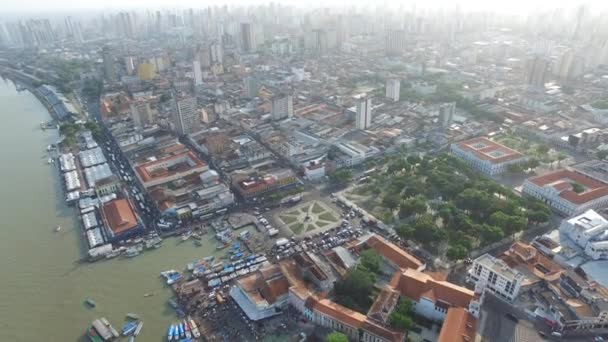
(304, 171)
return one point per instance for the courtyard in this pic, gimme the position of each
(309, 217)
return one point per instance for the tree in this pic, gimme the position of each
(414, 206)
(405, 231)
(370, 260)
(426, 232)
(602, 154)
(457, 252)
(400, 318)
(355, 289)
(533, 163)
(577, 187)
(515, 168)
(336, 337)
(490, 234)
(340, 177)
(413, 159)
(542, 149)
(499, 219)
(537, 216)
(391, 200)
(165, 97)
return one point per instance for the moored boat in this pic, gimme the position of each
(170, 333)
(132, 316)
(187, 329)
(195, 332)
(138, 329)
(90, 302)
(129, 328)
(181, 329)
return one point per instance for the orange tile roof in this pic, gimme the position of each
(560, 180)
(146, 176)
(119, 215)
(386, 333)
(415, 285)
(484, 153)
(266, 284)
(458, 326)
(393, 252)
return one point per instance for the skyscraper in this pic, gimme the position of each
(198, 74)
(251, 86)
(537, 68)
(393, 87)
(363, 119)
(282, 106)
(130, 65)
(247, 37)
(217, 53)
(395, 42)
(108, 64)
(141, 113)
(446, 114)
(186, 118)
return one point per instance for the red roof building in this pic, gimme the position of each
(120, 219)
(568, 191)
(486, 155)
(169, 169)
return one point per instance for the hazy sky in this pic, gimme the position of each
(511, 6)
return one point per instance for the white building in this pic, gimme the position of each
(495, 275)
(486, 156)
(446, 114)
(363, 119)
(393, 87)
(198, 74)
(282, 106)
(557, 190)
(590, 231)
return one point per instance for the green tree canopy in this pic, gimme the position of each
(336, 337)
(370, 260)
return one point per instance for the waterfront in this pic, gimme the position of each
(44, 284)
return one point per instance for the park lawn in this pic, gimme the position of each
(328, 217)
(288, 219)
(297, 228)
(317, 209)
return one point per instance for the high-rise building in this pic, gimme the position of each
(395, 42)
(537, 69)
(251, 86)
(130, 65)
(446, 114)
(108, 64)
(247, 37)
(186, 118)
(216, 53)
(198, 74)
(393, 87)
(282, 106)
(141, 113)
(363, 119)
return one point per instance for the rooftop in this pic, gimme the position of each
(562, 181)
(458, 326)
(168, 166)
(498, 266)
(415, 285)
(392, 252)
(489, 150)
(119, 215)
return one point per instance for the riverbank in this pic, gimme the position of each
(44, 279)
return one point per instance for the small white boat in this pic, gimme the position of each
(58, 228)
(50, 161)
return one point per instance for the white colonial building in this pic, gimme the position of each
(486, 155)
(567, 191)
